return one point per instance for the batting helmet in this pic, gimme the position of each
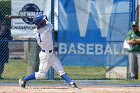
(38, 18)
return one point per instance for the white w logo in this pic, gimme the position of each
(100, 11)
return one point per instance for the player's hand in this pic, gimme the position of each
(133, 39)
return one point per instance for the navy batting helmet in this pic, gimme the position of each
(38, 18)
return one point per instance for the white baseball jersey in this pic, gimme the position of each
(47, 59)
(44, 37)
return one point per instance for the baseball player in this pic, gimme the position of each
(43, 35)
(133, 38)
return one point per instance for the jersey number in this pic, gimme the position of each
(39, 37)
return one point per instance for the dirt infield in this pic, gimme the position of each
(65, 89)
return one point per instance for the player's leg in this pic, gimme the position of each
(22, 81)
(138, 57)
(43, 68)
(132, 63)
(60, 70)
(137, 65)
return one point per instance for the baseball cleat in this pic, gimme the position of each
(73, 85)
(22, 83)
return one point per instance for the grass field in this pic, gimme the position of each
(16, 69)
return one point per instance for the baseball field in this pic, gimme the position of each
(58, 86)
(65, 89)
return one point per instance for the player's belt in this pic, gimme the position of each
(46, 51)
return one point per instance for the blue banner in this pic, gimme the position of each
(91, 32)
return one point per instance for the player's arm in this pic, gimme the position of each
(136, 40)
(131, 41)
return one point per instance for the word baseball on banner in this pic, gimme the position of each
(91, 32)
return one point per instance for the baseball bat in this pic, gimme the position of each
(15, 17)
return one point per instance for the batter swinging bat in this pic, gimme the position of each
(15, 17)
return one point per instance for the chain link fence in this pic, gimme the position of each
(23, 56)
